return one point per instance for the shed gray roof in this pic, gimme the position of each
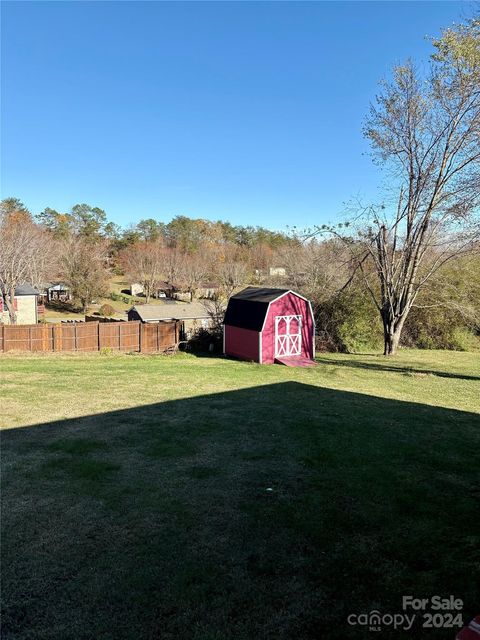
(169, 311)
(259, 294)
(26, 290)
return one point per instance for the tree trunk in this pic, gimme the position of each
(390, 340)
(10, 303)
(392, 330)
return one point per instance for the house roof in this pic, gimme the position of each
(26, 289)
(165, 286)
(171, 311)
(248, 308)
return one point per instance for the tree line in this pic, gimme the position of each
(182, 233)
(83, 249)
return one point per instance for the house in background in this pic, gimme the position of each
(271, 273)
(58, 292)
(192, 315)
(270, 325)
(205, 291)
(208, 290)
(136, 289)
(25, 304)
(163, 290)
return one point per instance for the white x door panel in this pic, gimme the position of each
(288, 336)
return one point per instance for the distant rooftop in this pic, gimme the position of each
(171, 311)
(26, 289)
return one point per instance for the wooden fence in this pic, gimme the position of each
(90, 336)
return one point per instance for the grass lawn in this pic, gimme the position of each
(200, 498)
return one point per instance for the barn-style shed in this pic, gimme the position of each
(269, 325)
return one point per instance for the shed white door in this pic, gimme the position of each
(288, 336)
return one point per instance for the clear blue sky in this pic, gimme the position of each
(246, 111)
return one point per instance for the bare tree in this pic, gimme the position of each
(216, 308)
(172, 265)
(43, 264)
(194, 270)
(144, 262)
(82, 266)
(427, 132)
(232, 275)
(316, 269)
(25, 254)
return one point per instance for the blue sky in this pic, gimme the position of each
(244, 111)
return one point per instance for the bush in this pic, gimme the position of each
(438, 328)
(464, 340)
(348, 322)
(358, 334)
(202, 340)
(106, 310)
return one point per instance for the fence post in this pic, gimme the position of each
(75, 335)
(45, 337)
(2, 329)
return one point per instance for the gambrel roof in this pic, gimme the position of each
(248, 308)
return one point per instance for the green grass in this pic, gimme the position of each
(201, 498)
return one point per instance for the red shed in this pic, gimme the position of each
(269, 325)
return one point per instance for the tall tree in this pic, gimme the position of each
(150, 229)
(427, 132)
(231, 270)
(82, 267)
(194, 270)
(25, 254)
(87, 221)
(144, 262)
(58, 224)
(14, 206)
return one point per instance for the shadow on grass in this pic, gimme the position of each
(384, 366)
(269, 512)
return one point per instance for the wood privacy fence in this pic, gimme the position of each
(90, 336)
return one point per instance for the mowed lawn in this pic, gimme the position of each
(201, 498)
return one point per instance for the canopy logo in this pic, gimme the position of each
(375, 620)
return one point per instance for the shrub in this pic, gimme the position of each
(464, 340)
(106, 310)
(438, 328)
(202, 340)
(349, 323)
